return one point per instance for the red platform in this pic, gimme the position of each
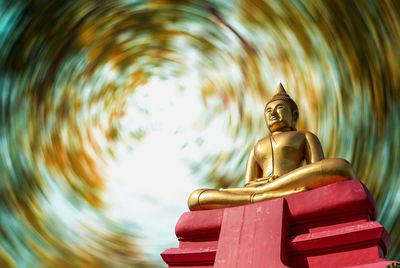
(332, 226)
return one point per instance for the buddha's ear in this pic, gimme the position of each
(295, 115)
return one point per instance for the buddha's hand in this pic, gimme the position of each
(261, 181)
(267, 179)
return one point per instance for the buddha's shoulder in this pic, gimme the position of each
(308, 135)
(261, 144)
(262, 141)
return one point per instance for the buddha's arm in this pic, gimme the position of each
(253, 170)
(313, 148)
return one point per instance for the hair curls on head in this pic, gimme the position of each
(281, 94)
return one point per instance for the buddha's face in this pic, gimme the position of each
(279, 116)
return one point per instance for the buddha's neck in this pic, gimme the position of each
(286, 129)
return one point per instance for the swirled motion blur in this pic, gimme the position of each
(112, 111)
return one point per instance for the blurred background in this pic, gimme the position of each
(112, 112)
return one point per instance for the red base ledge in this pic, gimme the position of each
(332, 226)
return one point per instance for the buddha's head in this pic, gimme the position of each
(281, 112)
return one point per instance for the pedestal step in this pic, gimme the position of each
(332, 226)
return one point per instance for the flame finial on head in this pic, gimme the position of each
(281, 94)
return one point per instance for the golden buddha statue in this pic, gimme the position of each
(286, 162)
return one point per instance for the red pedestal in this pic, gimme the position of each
(332, 226)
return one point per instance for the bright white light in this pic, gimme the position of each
(148, 184)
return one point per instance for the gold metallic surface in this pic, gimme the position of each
(288, 160)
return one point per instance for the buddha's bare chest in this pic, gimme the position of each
(279, 154)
